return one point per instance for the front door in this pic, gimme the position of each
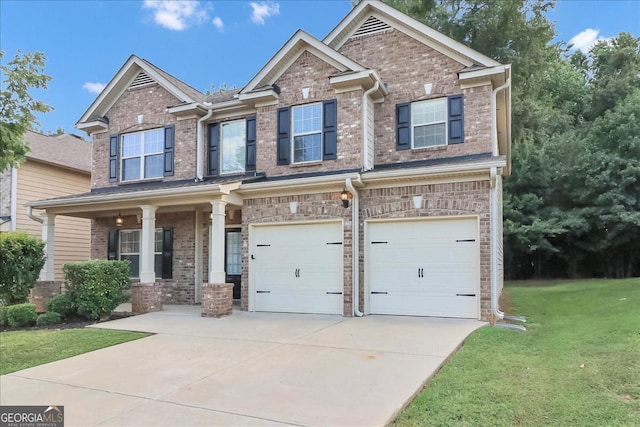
(233, 259)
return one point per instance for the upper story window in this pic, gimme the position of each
(430, 123)
(307, 133)
(232, 147)
(141, 155)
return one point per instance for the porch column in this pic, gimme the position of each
(48, 236)
(216, 243)
(147, 244)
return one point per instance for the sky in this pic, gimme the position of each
(206, 43)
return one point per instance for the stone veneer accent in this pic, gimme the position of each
(5, 193)
(217, 299)
(146, 297)
(42, 292)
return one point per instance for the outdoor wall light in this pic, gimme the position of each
(345, 196)
(119, 220)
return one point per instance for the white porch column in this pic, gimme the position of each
(147, 244)
(48, 236)
(216, 243)
(197, 264)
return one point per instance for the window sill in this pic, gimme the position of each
(434, 148)
(305, 164)
(139, 181)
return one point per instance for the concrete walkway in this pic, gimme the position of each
(248, 369)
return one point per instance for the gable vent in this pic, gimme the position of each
(371, 25)
(141, 79)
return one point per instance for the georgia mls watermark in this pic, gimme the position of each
(31, 416)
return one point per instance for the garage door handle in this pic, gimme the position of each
(378, 293)
(334, 293)
(334, 243)
(421, 272)
(263, 292)
(465, 295)
(465, 240)
(378, 243)
(296, 272)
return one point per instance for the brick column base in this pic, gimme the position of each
(217, 299)
(42, 292)
(146, 297)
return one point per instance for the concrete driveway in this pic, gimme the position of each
(247, 369)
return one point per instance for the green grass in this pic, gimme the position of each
(25, 349)
(578, 365)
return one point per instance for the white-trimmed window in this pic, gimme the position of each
(429, 123)
(307, 132)
(233, 148)
(142, 155)
(130, 250)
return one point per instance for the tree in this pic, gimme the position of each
(17, 106)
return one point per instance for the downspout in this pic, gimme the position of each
(355, 246)
(200, 145)
(495, 309)
(33, 217)
(365, 151)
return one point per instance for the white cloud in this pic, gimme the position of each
(263, 10)
(585, 40)
(176, 14)
(94, 87)
(217, 22)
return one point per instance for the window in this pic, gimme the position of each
(307, 133)
(233, 147)
(130, 250)
(143, 155)
(430, 123)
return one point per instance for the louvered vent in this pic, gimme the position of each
(371, 25)
(141, 79)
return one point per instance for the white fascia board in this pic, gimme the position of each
(296, 185)
(95, 126)
(484, 73)
(263, 94)
(301, 41)
(409, 26)
(193, 107)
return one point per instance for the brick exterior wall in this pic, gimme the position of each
(309, 71)
(451, 199)
(150, 101)
(217, 299)
(146, 297)
(311, 207)
(387, 53)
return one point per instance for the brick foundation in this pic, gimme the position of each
(42, 292)
(146, 297)
(217, 299)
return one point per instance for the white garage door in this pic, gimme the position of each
(423, 267)
(297, 268)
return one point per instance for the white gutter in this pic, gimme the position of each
(355, 245)
(200, 146)
(33, 217)
(365, 108)
(493, 224)
(494, 115)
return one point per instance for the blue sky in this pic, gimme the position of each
(205, 43)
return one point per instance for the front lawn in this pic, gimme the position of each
(578, 365)
(24, 349)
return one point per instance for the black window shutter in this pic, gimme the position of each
(251, 145)
(214, 143)
(169, 136)
(167, 253)
(403, 126)
(329, 129)
(113, 158)
(284, 142)
(456, 119)
(112, 245)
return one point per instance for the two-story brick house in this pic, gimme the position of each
(357, 174)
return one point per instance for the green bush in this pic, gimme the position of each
(61, 304)
(3, 316)
(21, 259)
(49, 318)
(96, 287)
(20, 314)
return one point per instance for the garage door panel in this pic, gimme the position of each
(421, 267)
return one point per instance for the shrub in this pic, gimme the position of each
(20, 314)
(3, 316)
(96, 287)
(21, 259)
(49, 318)
(60, 304)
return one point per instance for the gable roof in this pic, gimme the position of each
(290, 51)
(123, 79)
(404, 23)
(66, 150)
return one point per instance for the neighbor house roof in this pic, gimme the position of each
(66, 150)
